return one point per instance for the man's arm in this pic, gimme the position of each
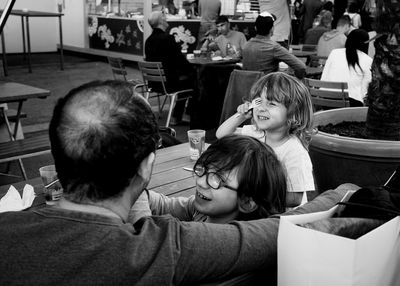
(292, 61)
(225, 251)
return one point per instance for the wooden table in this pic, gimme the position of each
(201, 61)
(25, 15)
(18, 92)
(168, 177)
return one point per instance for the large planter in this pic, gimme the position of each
(338, 159)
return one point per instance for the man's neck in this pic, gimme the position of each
(162, 28)
(100, 208)
(267, 37)
(114, 207)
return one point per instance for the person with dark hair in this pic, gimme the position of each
(228, 42)
(352, 65)
(237, 178)
(353, 12)
(261, 53)
(178, 71)
(282, 23)
(339, 7)
(313, 34)
(103, 140)
(334, 39)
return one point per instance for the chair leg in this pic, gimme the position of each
(165, 100)
(171, 107)
(21, 166)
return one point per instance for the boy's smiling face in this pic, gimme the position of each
(220, 204)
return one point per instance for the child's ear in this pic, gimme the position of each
(247, 205)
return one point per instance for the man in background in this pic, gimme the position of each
(334, 39)
(228, 42)
(282, 24)
(324, 25)
(261, 53)
(162, 47)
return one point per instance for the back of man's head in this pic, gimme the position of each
(343, 24)
(344, 20)
(264, 23)
(100, 132)
(155, 19)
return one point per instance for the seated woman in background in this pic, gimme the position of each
(237, 178)
(352, 65)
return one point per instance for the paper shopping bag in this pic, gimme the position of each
(311, 257)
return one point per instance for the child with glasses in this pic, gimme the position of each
(237, 178)
(283, 120)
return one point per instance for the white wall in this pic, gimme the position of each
(44, 31)
(75, 23)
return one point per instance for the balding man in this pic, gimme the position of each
(162, 47)
(103, 140)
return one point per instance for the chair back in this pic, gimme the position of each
(308, 48)
(328, 94)
(239, 86)
(117, 67)
(153, 76)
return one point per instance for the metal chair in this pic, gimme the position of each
(328, 94)
(155, 82)
(119, 71)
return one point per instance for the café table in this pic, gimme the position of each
(168, 178)
(18, 92)
(212, 77)
(26, 43)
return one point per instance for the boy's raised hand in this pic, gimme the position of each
(243, 110)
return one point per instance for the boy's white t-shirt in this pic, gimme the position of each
(294, 158)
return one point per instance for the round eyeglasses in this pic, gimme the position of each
(213, 179)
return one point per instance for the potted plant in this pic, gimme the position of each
(339, 159)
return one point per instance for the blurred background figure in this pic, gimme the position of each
(209, 11)
(308, 12)
(324, 25)
(352, 65)
(353, 12)
(282, 24)
(334, 39)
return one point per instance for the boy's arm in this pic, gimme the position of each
(180, 207)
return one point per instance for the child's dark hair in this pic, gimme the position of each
(260, 174)
(295, 96)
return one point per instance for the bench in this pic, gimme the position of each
(24, 148)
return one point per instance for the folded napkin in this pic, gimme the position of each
(12, 201)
